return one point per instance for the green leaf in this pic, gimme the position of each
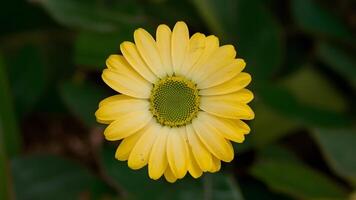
(82, 99)
(338, 60)
(219, 186)
(296, 179)
(282, 101)
(315, 19)
(35, 18)
(92, 49)
(171, 11)
(337, 146)
(10, 142)
(211, 12)
(311, 88)
(253, 189)
(130, 180)
(277, 153)
(9, 135)
(258, 37)
(27, 76)
(297, 52)
(262, 133)
(6, 190)
(94, 15)
(49, 177)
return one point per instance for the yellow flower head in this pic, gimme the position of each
(181, 103)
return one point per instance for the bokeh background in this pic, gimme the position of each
(300, 53)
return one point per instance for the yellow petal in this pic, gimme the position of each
(237, 83)
(127, 83)
(222, 106)
(213, 140)
(127, 144)
(216, 165)
(108, 101)
(193, 167)
(230, 129)
(180, 42)
(168, 174)
(140, 153)
(241, 96)
(195, 50)
(118, 63)
(147, 47)
(201, 154)
(211, 45)
(163, 40)
(113, 98)
(224, 74)
(127, 124)
(131, 54)
(177, 152)
(157, 163)
(110, 111)
(220, 58)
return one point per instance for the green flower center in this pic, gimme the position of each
(174, 101)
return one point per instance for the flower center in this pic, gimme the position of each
(174, 101)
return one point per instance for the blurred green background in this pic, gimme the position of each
(301, 54)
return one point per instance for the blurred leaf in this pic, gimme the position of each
(94, 15)
(57, 56)
(9, 135)
(262, 131)
(28, 79)
(130, 180)
(280, 100)
(212, 12)
(5, 181)
(170, 11)
(82, 100)
(92, 49)
(35, 17)
(259, 39)
(220, 186)
(311, 88)
(257, 36)
(255, 190)
(296, 179)
(315, 19)
(338, 60)
(298, 51)
(137, 180)
(338, 148)
(9, 132)
(49, 177)
(277, 153)
(99, 190)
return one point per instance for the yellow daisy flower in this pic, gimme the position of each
(181, 103)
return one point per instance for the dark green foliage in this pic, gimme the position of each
(300, 54)
(49, 177)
